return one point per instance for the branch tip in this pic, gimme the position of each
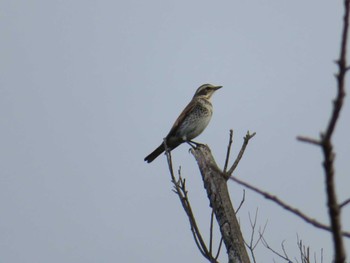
(309, 140)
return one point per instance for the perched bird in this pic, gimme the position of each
(191, 122)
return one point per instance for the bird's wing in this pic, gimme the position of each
(181, 118)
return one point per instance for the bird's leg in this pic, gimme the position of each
(191, 144)
(194, 144)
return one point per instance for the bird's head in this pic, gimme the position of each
(206, 91)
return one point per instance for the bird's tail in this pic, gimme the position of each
(153, 155)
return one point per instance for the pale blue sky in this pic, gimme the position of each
(89, 88)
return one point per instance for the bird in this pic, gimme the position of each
(191, 122)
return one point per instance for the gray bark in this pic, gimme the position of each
(215, 183)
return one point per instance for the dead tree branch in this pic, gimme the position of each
(304, 251)
(343, 204)
(252, 243)
(240, 154)
(228, 150)
(289, 208)
(284, 256)
(181, 191)
(241, 203)
(216, 185)
(326, 144)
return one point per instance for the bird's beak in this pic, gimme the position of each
(217, 87)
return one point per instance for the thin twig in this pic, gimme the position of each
(219, 249)
(241, 152)
(241, 203)
(304, 251)
(309, 140)
(253, 225)
(284, 249)
(252, 245)
(343, 204)
(177, 189)
(180, 190)
(259, 239)
(286, 206)
(285, 256)
(228, 150)
(211, 232)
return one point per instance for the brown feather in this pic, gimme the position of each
(190, 106)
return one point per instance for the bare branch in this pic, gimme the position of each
(250, 245)
(228, 150)
(309, 140)
(284, 249)
(211, 231)
(242, 201)
(215, 184)
(180, 190)
(253, 225)
(241, 152)
(285, 256)
(286, 206)
(343, 67)
(253, 244)
(304, 251)
(260, 232)
(343, 204)
(219, 249)
(326, 144)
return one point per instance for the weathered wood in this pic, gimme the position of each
(216, 185)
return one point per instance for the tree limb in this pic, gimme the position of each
(343, 204)
(247, 137)
(325, 142)
(228, 150)
(289, 208)
(180, 190)
(216, 185)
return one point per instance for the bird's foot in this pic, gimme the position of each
(194, 144)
